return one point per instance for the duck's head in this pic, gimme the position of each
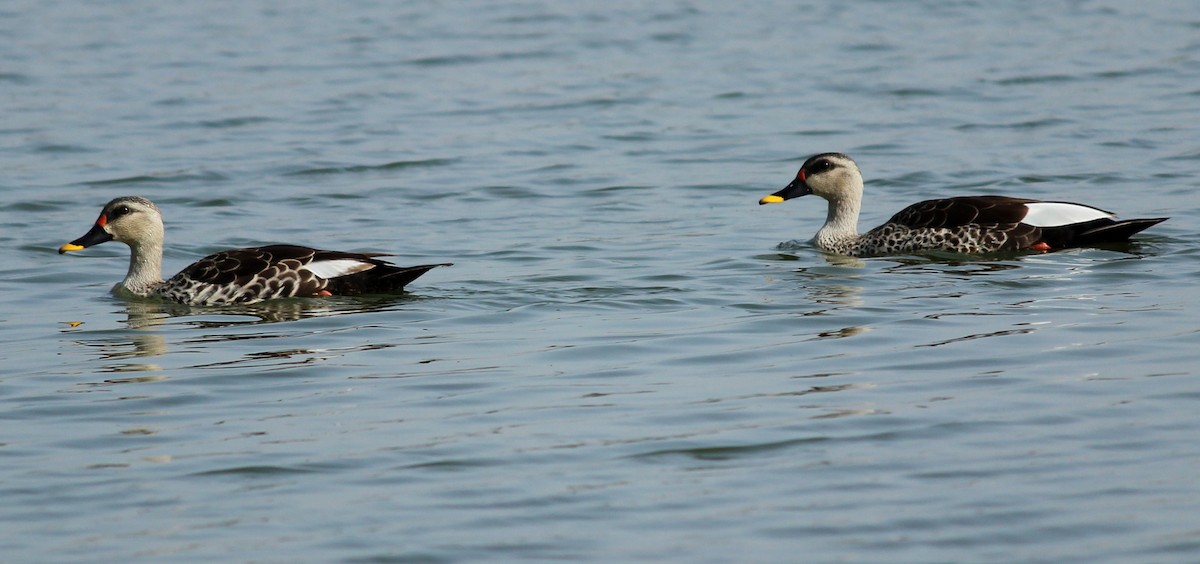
(832, 176)
(132, 220)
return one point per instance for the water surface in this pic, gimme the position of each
(624, 364)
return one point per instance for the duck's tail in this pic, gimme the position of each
(1095, 232)
(383, 279)
(1116, 232)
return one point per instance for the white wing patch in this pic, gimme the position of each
(334, 268)
(1055, 214)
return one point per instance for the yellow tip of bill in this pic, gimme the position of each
(772, 199)
(69, 247)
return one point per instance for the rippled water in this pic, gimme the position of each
(625, 363)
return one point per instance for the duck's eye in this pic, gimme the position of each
(821, 166)
(120, 211)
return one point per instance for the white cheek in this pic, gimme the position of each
(1054, 214)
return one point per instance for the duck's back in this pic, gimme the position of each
(947, 213)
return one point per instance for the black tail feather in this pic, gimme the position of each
(1096, 232)
(1117, 232)
(382, 279)
(401, 276)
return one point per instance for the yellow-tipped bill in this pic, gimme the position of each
(772, 199)
(94, 236)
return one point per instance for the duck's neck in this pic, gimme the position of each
(145, 269)
(841, 225)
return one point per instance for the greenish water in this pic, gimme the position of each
(624, 364)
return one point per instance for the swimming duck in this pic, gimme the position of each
(966, 224)
(236, 276)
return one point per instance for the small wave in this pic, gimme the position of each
(354, 169)
(234, 122)
(1018, 125)
(729, 452)
(159, 179)
(259, 470)
(471, 59)
(1035, 79)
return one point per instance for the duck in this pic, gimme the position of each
(964, 224)
(235, 276)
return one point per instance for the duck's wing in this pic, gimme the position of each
(242, 266)
(950, 213)
(245, 276)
